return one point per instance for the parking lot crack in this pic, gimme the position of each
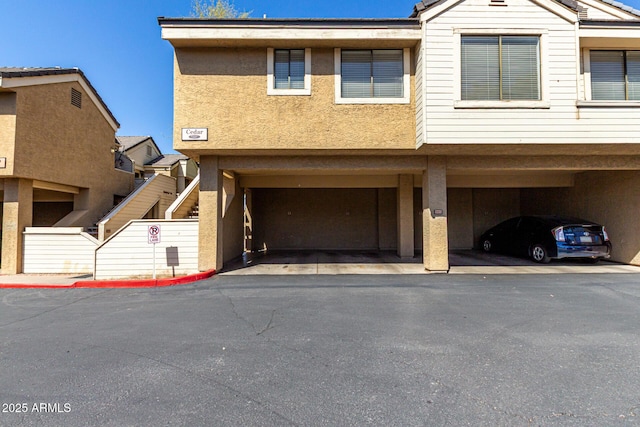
(256, 331)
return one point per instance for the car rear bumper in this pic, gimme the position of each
(583, 251)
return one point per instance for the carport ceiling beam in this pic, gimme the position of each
(52, 186)
(407, 164)
(568, 163)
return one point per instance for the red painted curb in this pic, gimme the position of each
(134, 283)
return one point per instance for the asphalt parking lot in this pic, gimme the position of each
(498, 350)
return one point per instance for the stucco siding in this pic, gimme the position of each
(7, 130)
(59, 143)
(233, 226)
(316, 218)
(556, 120)
(225, 90)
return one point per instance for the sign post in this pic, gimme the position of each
(154, 238)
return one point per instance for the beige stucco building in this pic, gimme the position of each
(413, 135)
(57, 143)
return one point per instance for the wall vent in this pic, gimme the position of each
(582, 13)
(76, 98)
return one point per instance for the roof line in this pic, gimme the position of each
(306, 22)
(37, 72)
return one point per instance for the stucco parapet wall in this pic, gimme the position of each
(183, 32)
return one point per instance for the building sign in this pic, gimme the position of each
(154, 234)
(195, 134)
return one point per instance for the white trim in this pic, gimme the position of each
(589, 101)
(609, 32)
(271, 90)
(544, 69)
(550, 5)
(586, 57)
(406, 81)
(607, 104)
(501, 104)
(13, 82)
(607, 8)
(291, 33)
(168, 213)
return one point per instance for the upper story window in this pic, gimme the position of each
(615, 75)
(500, 68)
(372, 76)
(288, 71)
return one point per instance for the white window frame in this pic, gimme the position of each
(271, 90)
(543, 102)
(406, 81)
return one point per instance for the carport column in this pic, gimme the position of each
(210, 216)
(434, 215)
(405, 216)
(17, 214)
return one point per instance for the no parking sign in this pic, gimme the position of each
(154, 234)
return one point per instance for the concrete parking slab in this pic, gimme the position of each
(386, 262)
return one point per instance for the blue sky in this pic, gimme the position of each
(117, 45)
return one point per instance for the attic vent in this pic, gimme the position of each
(497, 2)
(582, 13)
(76, 98)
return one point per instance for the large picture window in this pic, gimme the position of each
(372, 73)
(615, 75)
(500, 67)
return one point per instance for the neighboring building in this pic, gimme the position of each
(148, 160)
(410, 134)
(179, 166)
(56, 155)
(141, 150)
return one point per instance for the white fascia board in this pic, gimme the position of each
(244, 33)
(560, 10)
(14, 82)
(610, 32)
(550, 5)
(607, 8)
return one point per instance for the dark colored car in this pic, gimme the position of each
(548, 237)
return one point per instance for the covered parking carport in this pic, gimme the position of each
(483, 191)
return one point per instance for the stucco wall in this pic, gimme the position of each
(233, 223)
(60, 143)
(225, 90)
(492, 206)
(460, 218)
(314, 218)
(7, 130)
(609, 198)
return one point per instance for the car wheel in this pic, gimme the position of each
(539, 254)
(487, 246)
